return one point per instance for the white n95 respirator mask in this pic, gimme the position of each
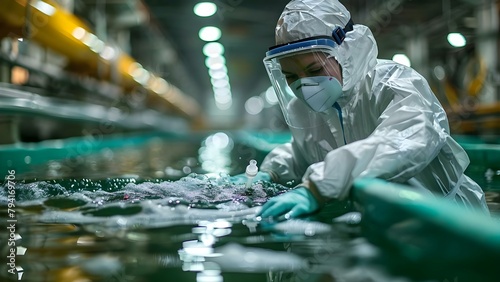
(306, 78)
(318, 92)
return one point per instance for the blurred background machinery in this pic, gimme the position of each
(159, 89)
(72, 67)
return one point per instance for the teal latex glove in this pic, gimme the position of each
(242, 178)
(292, 204)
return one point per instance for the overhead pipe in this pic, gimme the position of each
(48, 24)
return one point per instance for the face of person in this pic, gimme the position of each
(308, 65)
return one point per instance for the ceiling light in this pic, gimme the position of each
(219, 83)
(456, 39)
(270, 96)
(97, 46)
(108, 53)
(90, 39)
(218, 74)
(141, 75)
(133, 67)
(209, 33)
(215, 62)
(79, 33)
(160, 86)
(216, 66)
(223, 91)
(223, 99)
(213, 49)
(224, 106)
(402, 59)
(254, 105)
(44, 8)
(205, 9)
(439, 72)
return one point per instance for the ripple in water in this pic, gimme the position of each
(139, 201)
(195, 190)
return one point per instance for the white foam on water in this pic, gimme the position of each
(193, 190)
(142, 205)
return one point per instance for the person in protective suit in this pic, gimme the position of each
(352, 115)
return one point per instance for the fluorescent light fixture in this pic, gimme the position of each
(141, 76)
(44, 8)
(90, 39)
(439, 72)
(205, 9)
(215, 62)
(79, 33)
(213, 49)
(222, 91)
(254, 105)
(223, 99)
(402, 59)
(209, 33)
(218, 73)
(224, 106)
(160, 86)
(271, 97)
(97, 46)
(133, 67)
(108, 53)
(219, 83)
(456, 39)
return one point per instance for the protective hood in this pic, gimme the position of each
(302, 19)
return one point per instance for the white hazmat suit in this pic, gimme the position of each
(391, 125)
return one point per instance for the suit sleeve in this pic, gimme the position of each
(411, 129)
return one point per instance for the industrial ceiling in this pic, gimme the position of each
(164, 37)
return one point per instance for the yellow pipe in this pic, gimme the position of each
(451, 93)
(51, 26)
(477, 82)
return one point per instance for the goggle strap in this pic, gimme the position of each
(338, 33)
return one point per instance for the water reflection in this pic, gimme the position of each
(195, 253)
(183, 226)
(190, 244)
(215, 153)
(129, 230)
(153, 157)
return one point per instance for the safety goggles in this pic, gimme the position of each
(286, 63)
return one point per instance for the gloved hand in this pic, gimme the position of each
(292, 204)
(242, 178)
